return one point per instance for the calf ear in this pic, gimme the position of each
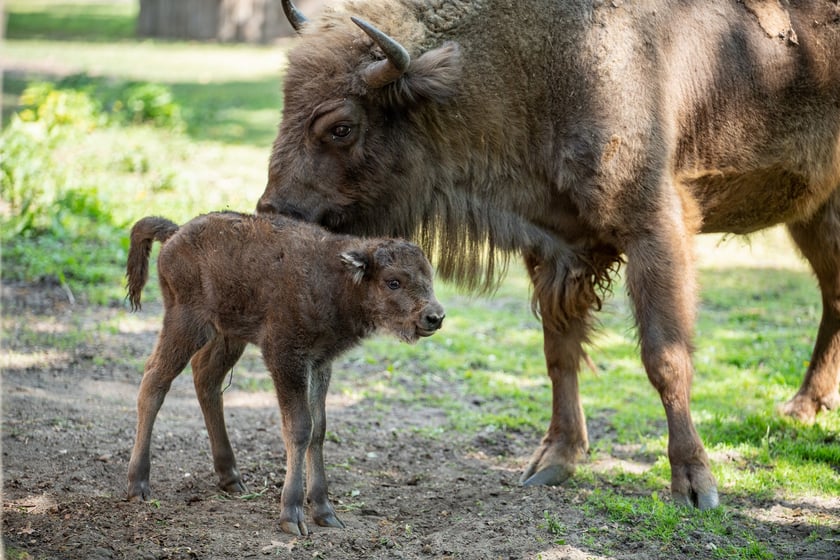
(357, 262)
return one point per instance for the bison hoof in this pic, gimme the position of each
(707, 499)
(552, 475)
(553, 463)
(693, 485)
(805, 409)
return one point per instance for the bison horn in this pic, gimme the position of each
(384, 72)
(295, 17)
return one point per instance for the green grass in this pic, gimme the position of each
(759, 306)
(649, 519)
(97, 20)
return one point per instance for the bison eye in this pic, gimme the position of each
(394, 284)
(341, 131)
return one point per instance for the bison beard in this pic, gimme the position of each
(577, 135)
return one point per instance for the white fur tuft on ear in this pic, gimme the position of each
(357, 262)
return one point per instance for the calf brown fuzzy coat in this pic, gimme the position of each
(302, 295)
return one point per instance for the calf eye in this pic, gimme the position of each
(341, 131)
(394, 284)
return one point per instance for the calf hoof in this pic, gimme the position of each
(230, 480)
(139, 491)
(236, 487)
(297, 529)
(552, 464)
(329, 520)
(291, 521)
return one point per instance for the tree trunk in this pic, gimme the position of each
(248, 21)
(2, 35)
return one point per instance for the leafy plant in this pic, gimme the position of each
(553, 524)
(150, 103)
(32, 181)
(58, 221)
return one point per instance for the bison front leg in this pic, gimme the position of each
(316, 477)
(566, 442)
(660, 279)
(819, 241)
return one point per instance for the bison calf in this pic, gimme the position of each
(302, 295)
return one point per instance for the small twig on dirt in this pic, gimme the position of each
(66, 287)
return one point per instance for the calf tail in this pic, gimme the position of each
(145, 232)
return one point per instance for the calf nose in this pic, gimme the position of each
(434, 320)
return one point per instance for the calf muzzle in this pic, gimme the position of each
(431, 320)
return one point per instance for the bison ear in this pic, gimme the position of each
(434, 75)
(357, 262)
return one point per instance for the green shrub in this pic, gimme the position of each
(110, 101)
(56, 109)
(151, 103)
(60, 193)
(55, 215)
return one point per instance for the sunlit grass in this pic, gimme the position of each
(103, 20)
(164, 62)
(757, 320)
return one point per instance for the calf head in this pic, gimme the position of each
(398, 296)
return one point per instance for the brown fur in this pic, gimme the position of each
(302, 295)
(578, 134)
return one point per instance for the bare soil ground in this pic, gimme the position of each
(403, 489)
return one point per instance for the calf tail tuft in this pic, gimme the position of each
(143, 234)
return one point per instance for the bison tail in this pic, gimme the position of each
(145, 232)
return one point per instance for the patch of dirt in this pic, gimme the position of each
(402, 489)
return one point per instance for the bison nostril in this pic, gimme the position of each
(266, 207)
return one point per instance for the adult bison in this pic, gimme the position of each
(577, 134)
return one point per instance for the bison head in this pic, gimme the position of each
(358, 110)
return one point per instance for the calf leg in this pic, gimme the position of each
(210, 365)
(177, 342)
(316, 476)
(819, 241)
(660, 279)
(291, 381)
(566, 442)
